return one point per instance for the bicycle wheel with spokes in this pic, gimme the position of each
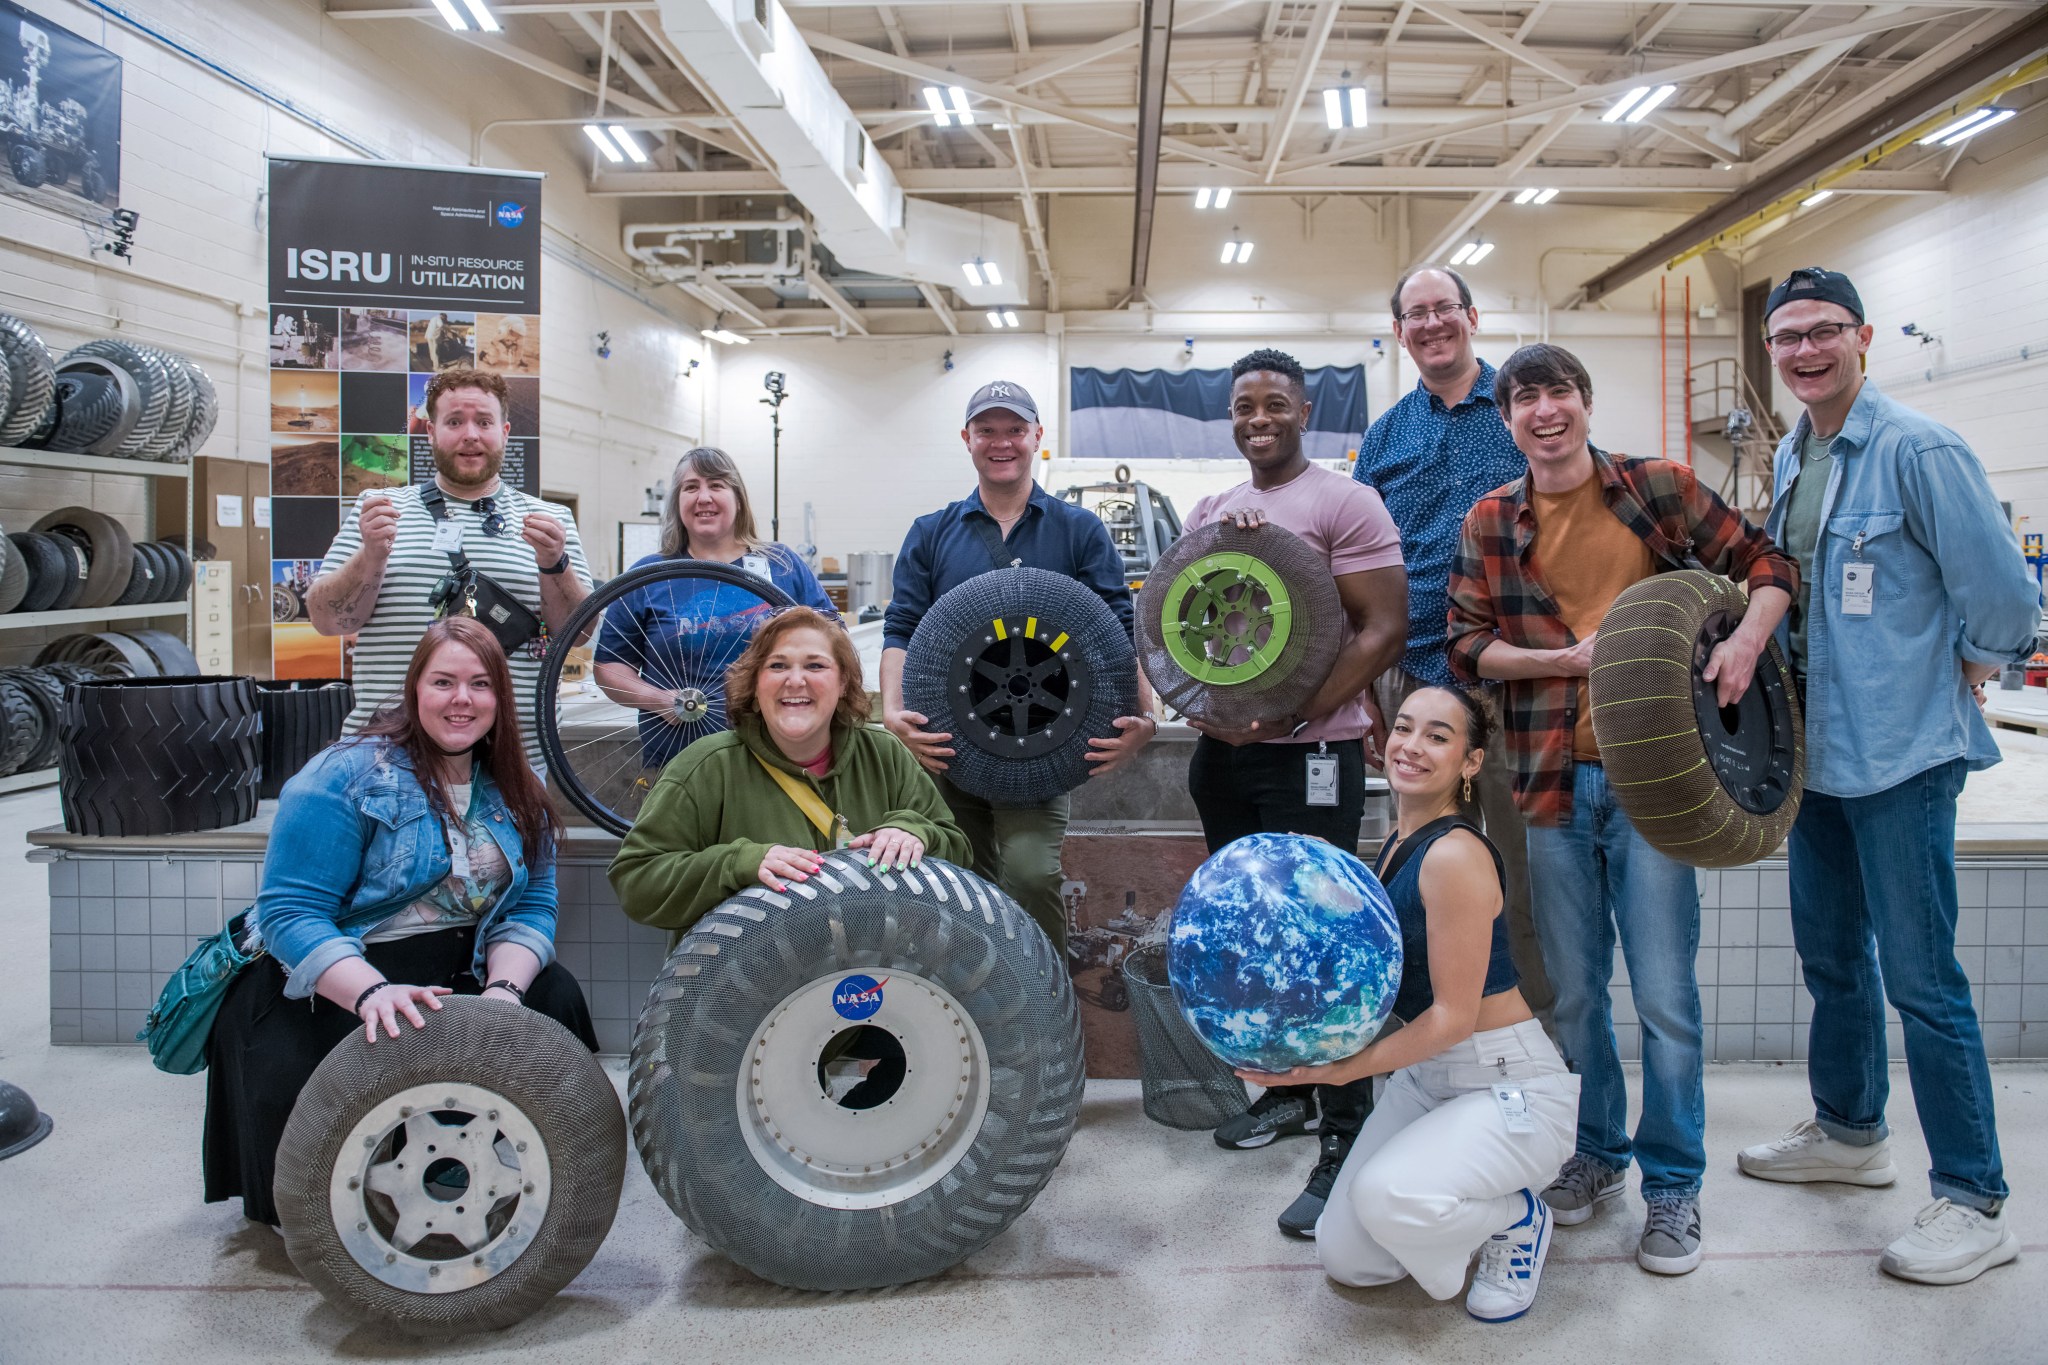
(671, 628)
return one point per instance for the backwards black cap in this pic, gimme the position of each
(1821, 286)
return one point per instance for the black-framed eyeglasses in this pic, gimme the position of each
(1415, 317)
(1784, 343)
(494, 520)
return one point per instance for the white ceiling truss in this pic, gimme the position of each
(1468, 101)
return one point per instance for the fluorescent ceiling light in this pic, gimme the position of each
(1483, 250)
(972, 270)
(1358, 109)
(452, 15)
(1624, 104)
(936, 98)
(725, 338)
(1656, 97)
(1333, 108)
(1223, 197)
(988, 268)
(1236, 253)
(995, 319)
(1010, 316)
(480, 12)
(1546, 196)
(1464, 253)
(1202, 197)
(1818, 197)
(1998, 116)
(1344, 106)
(627, 145)
(1525, 196)
(603, 143)
(1244, 253)
(960, 106)
(1946, 130)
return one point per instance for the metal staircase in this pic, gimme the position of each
(1731, 423)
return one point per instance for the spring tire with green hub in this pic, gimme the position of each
(1239, 626)
(1022, 667)
(1703, 784)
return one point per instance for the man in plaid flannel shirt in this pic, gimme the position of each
(1539, 562)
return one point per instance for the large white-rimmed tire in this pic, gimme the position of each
(455, 1178)
(1239, 626)
(1023, 668)
(1708, 785)
(932, 983)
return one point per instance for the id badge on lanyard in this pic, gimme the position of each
(1322, 776)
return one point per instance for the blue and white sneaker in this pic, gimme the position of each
(1511, 1265)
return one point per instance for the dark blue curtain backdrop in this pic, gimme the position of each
(1185, 414)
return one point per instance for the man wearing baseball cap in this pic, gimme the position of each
(1007, 519)
(1912, 592)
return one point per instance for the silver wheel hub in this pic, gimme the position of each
(440, 1187)
(814, 1146)
(692, 705)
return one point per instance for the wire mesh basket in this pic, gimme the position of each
(1184, 1084)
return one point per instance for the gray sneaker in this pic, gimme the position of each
(1582, 1183)
(1280, 1112)
(1671, 1235)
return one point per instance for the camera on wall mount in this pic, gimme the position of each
(1912, 329)
(604, 345)
(121, 224)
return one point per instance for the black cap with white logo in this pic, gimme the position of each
(1002, 394)
(1821, 286)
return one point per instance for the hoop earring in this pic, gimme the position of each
(1468, 791)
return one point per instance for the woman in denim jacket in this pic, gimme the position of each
(409, 862)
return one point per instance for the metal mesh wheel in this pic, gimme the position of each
(34, 378)
(665, 634)
(205, 414)
(1705, 784)
(184, 391)
(1239, 626)
(1023, 668)
(152, 378)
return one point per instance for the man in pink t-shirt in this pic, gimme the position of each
(1257, 781)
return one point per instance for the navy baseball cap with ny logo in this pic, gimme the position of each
(1002, 394)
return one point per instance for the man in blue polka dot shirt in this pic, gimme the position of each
(1431, 456)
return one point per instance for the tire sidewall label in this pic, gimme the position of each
(857, 997)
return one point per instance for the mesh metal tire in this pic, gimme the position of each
(1703, 784)
(93, 409)
(1023, 667)
(300, 718)
(152, 377)
(390, 1138)
(740, 1134)
(178, 412)
(159, 755)
(33, 375)
(1239, 626)
(205, 414)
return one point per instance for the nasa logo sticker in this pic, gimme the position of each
(858, 997)
(511, 215)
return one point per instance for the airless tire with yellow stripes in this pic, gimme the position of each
(1706, 784)
(1023, 668)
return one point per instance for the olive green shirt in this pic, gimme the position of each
(1801, 530)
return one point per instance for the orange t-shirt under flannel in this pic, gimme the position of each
(1584, 557)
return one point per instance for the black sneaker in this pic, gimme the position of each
(1278, 1113)
(1300, 1218)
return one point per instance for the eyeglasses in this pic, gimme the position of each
(494, 520)
(1784, 343)
(1415, 317)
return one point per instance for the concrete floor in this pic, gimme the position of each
(1148, 1244)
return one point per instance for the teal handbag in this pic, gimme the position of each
(181, 1022)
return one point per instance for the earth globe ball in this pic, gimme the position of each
(1285, 951)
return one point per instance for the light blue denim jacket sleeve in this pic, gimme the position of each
(1885, 693)
(354, 841)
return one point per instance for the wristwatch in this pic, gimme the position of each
(559, 566)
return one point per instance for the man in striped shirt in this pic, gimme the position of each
(378, 574)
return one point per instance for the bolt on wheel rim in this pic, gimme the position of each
(440, 1188)
(1018, 689)
(1226, 619)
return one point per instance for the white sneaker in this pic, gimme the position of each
(1807, 1153)
(1950, 1244)
(1511, 1265)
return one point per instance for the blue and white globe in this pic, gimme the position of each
(1285, 951)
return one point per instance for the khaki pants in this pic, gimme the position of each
(1493, 810)
(1017, 848)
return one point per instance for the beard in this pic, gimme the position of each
(447, 466)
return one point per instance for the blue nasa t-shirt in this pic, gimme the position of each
(682, 634)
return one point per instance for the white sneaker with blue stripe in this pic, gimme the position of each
(1511, 1265)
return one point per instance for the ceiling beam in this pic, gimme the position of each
(826, 293)
(937, 302)
(1494, 38)
(1076, 58)
(1312, 44)
(1524, 157)
(1989, 61)
(1153, 55)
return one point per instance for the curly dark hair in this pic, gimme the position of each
(1539, 365)
(1270, 361)
(1478, 706)
(468, 377)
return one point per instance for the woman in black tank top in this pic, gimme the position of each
(1478, 1111)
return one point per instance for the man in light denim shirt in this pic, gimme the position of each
(1917, 594)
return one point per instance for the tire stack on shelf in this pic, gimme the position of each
(154, 756)
(76, 557)
(108, 397)
(31, 713)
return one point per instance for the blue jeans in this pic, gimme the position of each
(1874, 891)
(1588, 879)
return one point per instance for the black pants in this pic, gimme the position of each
(1263, 789)
(264, 1049)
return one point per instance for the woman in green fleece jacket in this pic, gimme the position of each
(720, 818)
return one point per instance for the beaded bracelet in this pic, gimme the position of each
(368, 991)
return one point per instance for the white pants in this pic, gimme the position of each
(1435, 1172)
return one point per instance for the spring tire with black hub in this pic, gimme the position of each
(968, 1013)
(390, 1138)
(159, 755)
(93, 409)
(109, 553)
(300, 718)
(1704, 784)
(1237, 626)
(34, 377)
(599, 766)
(1023, 668)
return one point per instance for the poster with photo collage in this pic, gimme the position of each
(381, 275)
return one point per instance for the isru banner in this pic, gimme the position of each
(382, 274)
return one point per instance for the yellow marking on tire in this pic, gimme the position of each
(1653, 739)
(1002, 631)
(1655, 781)
(1631, 701)
(1627, 630)
(1030, 627)
(1617, 663)
(1684, 843)
(1059, 642)
(1673, 815)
